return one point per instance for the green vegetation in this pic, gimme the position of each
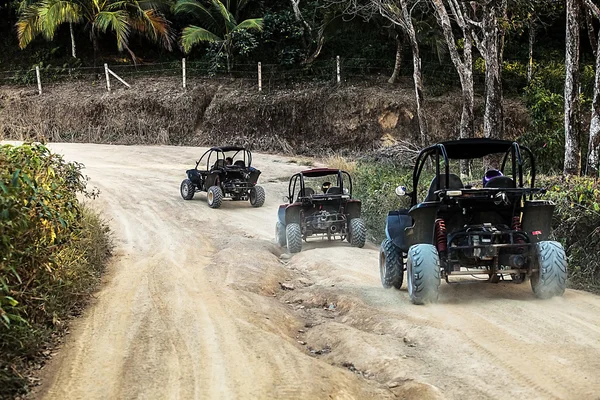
(53, 250)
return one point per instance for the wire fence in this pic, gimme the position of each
(438, 77)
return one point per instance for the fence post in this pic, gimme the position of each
(107, 77)
(183, 70)
(339, 79)
(260, 76)
(39, 80)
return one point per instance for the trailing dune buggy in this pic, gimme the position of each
(224, 172)
(497, 230)
(320, 203)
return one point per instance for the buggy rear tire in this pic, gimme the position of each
(293, 235)
(214, 197)
(423, 274)
(257, 196)
(391, 266)
(357, 232)
(280, 234)
(187, 189)
(550, 279)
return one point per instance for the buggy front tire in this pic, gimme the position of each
(358, 232)
(187, 189)
(293, 235)
(423, 274)
(391, 268)
(550, 279)
(257, 196)
(280, 234)
(214, 197)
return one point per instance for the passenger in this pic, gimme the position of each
(229, 161)
(491, 174)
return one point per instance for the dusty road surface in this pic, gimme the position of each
(193, 307)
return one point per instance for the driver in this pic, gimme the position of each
(325, 187)
(491, 174)
(228, 161)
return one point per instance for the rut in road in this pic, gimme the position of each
(192, 307)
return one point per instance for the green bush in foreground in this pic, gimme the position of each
(52, 252)
(576, 220)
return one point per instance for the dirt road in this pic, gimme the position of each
(192, 307)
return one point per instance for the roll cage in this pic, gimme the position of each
(298, 180)
(468, 149)
(218, 153)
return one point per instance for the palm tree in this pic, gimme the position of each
(220, 22)
(121, 17)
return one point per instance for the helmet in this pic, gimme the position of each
(490, 174)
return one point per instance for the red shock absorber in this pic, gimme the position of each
(441, 236)
(516, 226)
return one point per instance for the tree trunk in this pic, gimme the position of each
(493, 115)
(531, 43)
(594, 142)
(417, 74)
(73, 52)
(398, 64)
(572, 164)
(590, 29)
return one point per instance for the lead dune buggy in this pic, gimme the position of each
(227, 174)
(498, 230)
(320, 203)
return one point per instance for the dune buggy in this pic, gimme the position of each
(224, 172)
(320, 203)
(496, 230)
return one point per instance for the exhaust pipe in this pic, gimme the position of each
(516, 261)
(333, 229)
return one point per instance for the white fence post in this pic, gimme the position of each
(183, 71)
(39, 80)
(260, 77)
(107, 77)
(339, 78)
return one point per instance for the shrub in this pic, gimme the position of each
(52, 248)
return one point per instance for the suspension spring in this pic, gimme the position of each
(516, 226)
(441, 236)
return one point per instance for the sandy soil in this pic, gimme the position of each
(193, 307)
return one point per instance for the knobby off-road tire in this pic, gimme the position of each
(358, 232)
(280, 234)
(293, 235)
(551, 278)
(187, 189)
(423, 274)
(257, 196)
(391, 267)
(214, 197)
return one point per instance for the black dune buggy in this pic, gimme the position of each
(498, 230)
(320, 203)
(227, 173)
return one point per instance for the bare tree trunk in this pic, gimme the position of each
(594, 141)
(493, 121)
(572, 164)
(464, 66)
(398, 64)
(531, 43)
(73, 52)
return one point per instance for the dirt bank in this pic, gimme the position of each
(193, 307)
(314, 118)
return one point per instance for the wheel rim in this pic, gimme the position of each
(184, 190)
(252, 196)
(211, 197)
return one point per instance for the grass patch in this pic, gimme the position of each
(53, 253)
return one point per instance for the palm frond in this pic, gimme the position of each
(227, 17)
(116, 21)
(29, 25)
(193, 35)
(155, 26)
(250, 24)
(196, 9)
(57, 12)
